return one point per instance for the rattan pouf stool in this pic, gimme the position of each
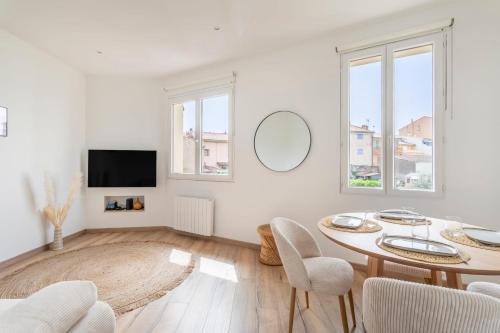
(268, 251)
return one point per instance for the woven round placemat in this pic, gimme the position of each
(402, 222)
(430, 258)
(366, 227)
(464, 240)
(128, 275)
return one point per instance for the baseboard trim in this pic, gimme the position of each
(230, 241)
(253, 246)
(125, 229)
(30, 253)
(183, 233)
(26, 255)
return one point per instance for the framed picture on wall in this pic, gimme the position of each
(3, 121)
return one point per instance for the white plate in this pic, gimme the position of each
(420, 245)
(484, 236)
(345, 221)
(401, 214)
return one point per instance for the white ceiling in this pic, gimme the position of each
(158, 37)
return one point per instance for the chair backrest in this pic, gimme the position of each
(294, 242)
(392, 306)
(485, 288)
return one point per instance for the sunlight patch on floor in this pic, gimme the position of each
(218, 269)
(180, 257)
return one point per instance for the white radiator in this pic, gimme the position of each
(194, 215)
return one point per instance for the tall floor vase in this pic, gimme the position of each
(57, 244)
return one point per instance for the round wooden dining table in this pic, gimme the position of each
(482, 262)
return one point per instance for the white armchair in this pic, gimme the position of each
(393, 306)
(486, 288)
(308, 270)
(69, 306)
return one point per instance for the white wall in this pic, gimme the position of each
(46, 101)
(126, 113)
(305, 79)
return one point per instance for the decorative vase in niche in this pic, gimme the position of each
(137, 204)
(57, 244)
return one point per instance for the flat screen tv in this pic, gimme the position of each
(122, 168)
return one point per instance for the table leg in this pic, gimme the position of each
(375, 267)
(436, 278)
(454, 280)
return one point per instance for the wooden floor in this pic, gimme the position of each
(229, 291)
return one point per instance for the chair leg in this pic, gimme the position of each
(351, 303)
(307, 299)
(292, 309)
(343, 314)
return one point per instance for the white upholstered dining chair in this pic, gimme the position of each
(308, 270)
(486, 288)
(393, 269)
(393, 306)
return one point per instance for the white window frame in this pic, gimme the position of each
(198, 95)
(442, 98)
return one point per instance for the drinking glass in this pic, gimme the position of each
(427, 230)
(366, 212)
(410, 221)
(455, 224)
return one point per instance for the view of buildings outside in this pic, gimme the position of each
(3, 121)
(214, 149)
(215, 153)
(183, 137)
(413, 122)
(365, 156)
(365, 113)
(412, 156)
(215, 144)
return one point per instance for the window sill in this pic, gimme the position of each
(365, 190)
(203, 178)
(416, 193)
(392, 193)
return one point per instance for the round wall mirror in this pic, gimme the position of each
(282, 141)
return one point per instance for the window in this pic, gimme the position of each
(413, 118)
(201, 131)
(393, 99)
(184, 137)
(214, 134)
(365, 120)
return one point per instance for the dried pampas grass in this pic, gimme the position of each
(54, 213)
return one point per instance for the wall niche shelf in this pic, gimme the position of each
(121, 203)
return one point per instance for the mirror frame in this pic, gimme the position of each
(308, 130)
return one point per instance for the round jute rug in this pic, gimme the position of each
(128, 275)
